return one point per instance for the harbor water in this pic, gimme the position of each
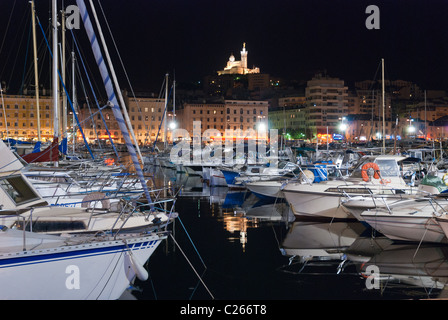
(232, 245)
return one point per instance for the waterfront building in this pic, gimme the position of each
(327, 105)
(18, 117)
(289, 117)
(231, 114)
(201, 116)
(145, 114)
(364, 127)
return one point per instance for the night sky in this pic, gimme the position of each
(287, 39)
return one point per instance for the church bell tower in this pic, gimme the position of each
(244, 57)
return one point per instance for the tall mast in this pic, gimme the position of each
(75, 102)
(64, 96)
(54, 22)
(165, 113)
(36, 77)
(384, 120)
(115, 81)
(174, 100)
(426, 132)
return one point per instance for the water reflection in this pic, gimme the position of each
(237, 210)
(407, 269)
(343, 250)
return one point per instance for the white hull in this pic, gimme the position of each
(409, 227)
(217, 178)
(193, 170)
(317, 239)
(267, 188)
(93, 270)
(357, 205)
(316, 205)
(443, 223)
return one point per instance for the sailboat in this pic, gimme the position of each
(41, 266)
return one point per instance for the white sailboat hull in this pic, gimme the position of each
(95, 270)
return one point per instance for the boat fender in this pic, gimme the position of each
(96, 197)
(138, 267)
(365, 168)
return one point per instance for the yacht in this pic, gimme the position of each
(37, 265)
(374, 176)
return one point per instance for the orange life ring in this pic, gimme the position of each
(367, 166)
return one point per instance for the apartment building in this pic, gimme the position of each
(327, 105)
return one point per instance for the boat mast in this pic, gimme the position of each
(64, 96)
(4, 113)
(165, 113)
(75, 102)
(426, 132)
(54, 21)
(174, 101)
(115, 81)
(36, 77)
(384, 120)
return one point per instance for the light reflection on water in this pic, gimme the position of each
(254, 249)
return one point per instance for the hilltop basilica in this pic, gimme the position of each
(238, 67)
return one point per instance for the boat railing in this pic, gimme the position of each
(131, 208)
(433, 201)
(20, 219)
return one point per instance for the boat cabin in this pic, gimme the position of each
(17, 193)
(389, 169)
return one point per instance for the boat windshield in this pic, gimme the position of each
(18, 189)
(388, 167)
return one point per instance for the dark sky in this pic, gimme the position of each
(285, 38)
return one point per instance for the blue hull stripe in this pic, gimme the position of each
(44, 258)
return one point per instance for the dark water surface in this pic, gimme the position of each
(241, 256)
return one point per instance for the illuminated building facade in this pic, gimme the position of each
(232, 114)
(327, 105)
(238, 67)
(18, 116)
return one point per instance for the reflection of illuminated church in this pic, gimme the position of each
(238, 67)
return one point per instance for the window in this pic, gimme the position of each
(388, 168)
(18, 190)
(52, 226)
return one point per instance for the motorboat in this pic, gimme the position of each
(410, 220)
(374, 176)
